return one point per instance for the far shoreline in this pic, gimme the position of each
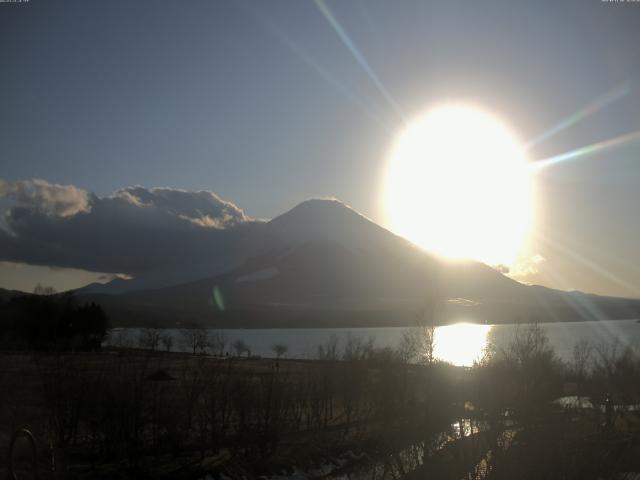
(363, 327)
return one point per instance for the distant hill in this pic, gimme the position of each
(324, 264)
(6, 295)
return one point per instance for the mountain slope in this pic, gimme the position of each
(323, 263)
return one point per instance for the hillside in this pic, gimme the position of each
(324, 264)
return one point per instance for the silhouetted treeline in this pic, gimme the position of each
(50, 321)
(520, 413)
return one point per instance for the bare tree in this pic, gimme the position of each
(418, 345)
(167, 341)
(581, 358)
(530, 344)
(149, 338)
(608, 356)
(217, 342)
(329, 351)
(240, 347)
(44, 290)
(196, 339)
(357, 348)
(280, 349)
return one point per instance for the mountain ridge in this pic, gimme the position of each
(324, 264)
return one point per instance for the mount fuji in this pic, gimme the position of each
(324, 264)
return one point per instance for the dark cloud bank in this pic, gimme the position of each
(136, 230)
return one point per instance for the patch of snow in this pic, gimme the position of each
(574, 401)
(465, 302)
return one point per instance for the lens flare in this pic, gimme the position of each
(599, 104)
(357, 55)
(218, 299)
(588, 150)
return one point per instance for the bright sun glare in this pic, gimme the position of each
(458, 184)
(461, 343)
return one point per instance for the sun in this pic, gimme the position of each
(458, 184)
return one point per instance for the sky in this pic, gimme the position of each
(269, 103)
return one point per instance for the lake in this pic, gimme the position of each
(459, 344)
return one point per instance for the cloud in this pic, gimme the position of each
(502, 268)
(136, 230)
(107, 277)
(203, 208)
(525, 267)
(48, 198)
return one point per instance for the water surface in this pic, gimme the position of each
(459, 344)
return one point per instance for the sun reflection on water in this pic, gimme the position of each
(462, 343)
